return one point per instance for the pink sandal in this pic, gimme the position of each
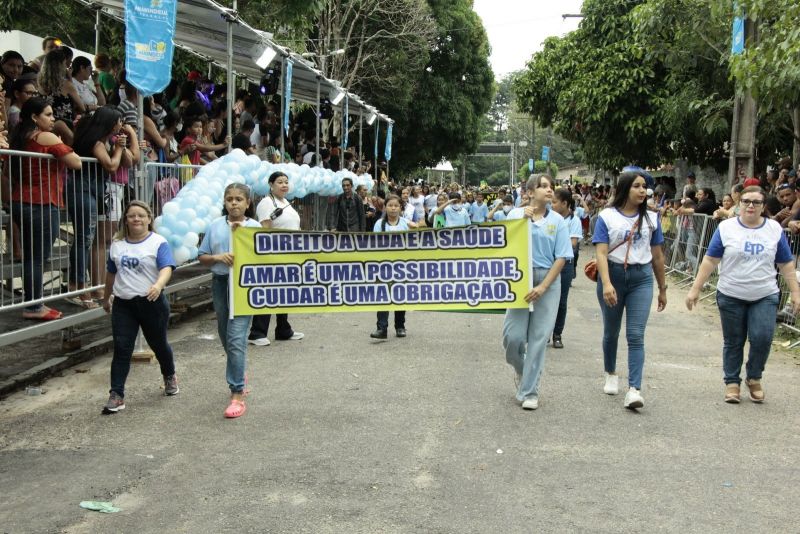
(235, 409)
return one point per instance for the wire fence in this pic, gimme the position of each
(686, 240)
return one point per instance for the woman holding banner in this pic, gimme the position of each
(274, 211)
(526, 331)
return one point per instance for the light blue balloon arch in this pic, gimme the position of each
(184, 218)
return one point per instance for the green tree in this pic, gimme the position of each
(451, 94)
(769, 68)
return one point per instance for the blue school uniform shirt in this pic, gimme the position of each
(550, 238)
(456, 218)
(580, 213)
(479, 212)
(217, 240)
(136, 265)
(401, 226)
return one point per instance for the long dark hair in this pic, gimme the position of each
(26, 126)
(622, 192)
(565, 196)
(384, 217)
(93, 128)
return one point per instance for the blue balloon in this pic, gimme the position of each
(180, 228)
(175, 241)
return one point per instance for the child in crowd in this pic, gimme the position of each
(139, 266)
(501, 210)
(215, 252)
(454, 213)
(391, 222)
(478, 211)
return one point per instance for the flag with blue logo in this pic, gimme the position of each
(388, 152)
(287, 96)
(737, 41)
(545, 153)
(149, 29)
(345, 122)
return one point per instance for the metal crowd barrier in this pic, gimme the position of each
(686, 240)
(53, 245)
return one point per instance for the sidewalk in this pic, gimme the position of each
(344, 434)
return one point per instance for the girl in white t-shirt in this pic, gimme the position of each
(625, 278)
(391, 222)
(139, 266)
(274, 211)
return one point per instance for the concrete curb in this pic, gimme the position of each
(55, 365)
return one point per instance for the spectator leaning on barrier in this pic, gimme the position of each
(746, 250)
(37, 196)
(790, 205)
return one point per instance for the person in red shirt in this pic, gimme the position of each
(36, 196)
(192, 145)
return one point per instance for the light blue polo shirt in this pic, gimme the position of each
(550, 238)
(217, 240)
(479, 212)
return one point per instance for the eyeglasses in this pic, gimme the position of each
(755, 203)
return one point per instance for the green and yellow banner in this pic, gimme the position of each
(476, 268)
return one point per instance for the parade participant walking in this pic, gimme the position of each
(139, 266)
(625, 278)
(525, 332)
(274, 211)
(563, 204)
(391, 222)
(216, 252)
(746, 249)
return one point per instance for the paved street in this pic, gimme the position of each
(347, 435)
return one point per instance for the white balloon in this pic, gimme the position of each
(171, 207)
(181, 255)
(191, 239)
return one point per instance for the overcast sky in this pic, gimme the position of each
(516, 28)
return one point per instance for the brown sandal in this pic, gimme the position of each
(732, 393)
(756, 391)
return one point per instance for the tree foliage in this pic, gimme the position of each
(451, 94)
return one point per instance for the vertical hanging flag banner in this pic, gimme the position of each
(345, 122)
(737, 41)
(546, 153)
(149, 29)
(377, 135)
(388, 152)
(287, 97)
(530, 165)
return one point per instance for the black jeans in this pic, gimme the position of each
(399, 320)
(260, 327)
(127, 316)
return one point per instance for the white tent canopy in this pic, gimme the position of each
(202, 28)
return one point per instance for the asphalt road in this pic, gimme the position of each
(344, 434)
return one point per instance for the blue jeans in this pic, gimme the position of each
(38, 227)
(567, 275)
(743, 320)
(127, 316)
(232, 334)
(634, 288)
(399, 320)
(525, 336)
(81, 198)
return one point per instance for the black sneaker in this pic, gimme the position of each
(401, 332)
(378, 334)
(115, 403)
(557, 344)
(171, 385)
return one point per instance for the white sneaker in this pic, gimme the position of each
(612, 384)
(633, 399)
(297, 335)
(262, 341)
(531, 403)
